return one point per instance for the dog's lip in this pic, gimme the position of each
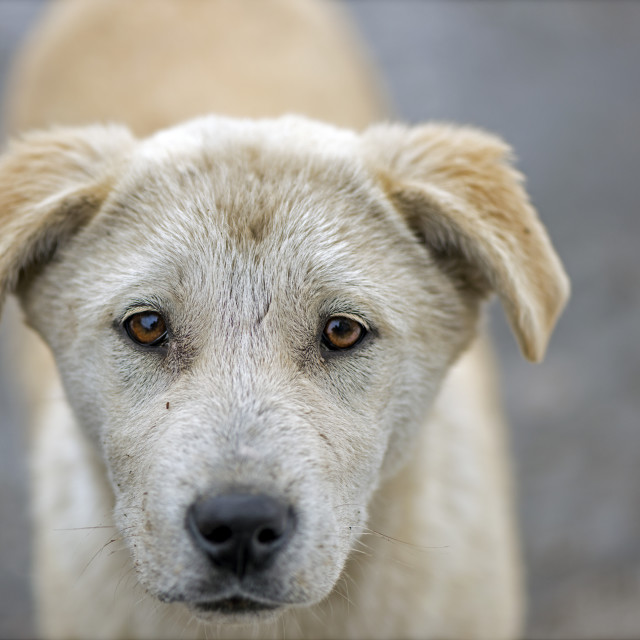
(234, 605)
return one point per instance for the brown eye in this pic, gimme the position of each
(342, 333)
(147, 328)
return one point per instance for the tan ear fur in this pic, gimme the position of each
(52, 182)
(459, 192)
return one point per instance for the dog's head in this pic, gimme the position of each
(251, 320)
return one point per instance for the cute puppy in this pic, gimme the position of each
(251, 320)
(266, 334)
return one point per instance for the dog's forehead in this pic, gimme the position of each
(268, 182)
(272, 201)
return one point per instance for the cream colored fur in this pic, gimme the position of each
(249, 234)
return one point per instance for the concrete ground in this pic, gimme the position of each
(561, 81)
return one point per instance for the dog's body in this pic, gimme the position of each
(249, 238)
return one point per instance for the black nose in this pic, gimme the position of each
(240, 532)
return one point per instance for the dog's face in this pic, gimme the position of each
(251, 320)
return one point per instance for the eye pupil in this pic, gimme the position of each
(342, 333)
(341, 327)
(149, 322)
(147, 328)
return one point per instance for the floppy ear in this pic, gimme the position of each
(458, 192)
(52, 182)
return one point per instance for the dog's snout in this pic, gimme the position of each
(240, 532)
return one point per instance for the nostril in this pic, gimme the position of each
(267, 536)
(217, 535)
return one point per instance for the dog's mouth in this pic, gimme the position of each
(235, 605)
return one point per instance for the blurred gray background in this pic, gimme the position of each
(561, 81)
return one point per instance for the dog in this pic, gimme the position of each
(279, 417)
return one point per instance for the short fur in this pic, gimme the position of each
(247, 235)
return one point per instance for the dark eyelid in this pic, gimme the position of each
(347, 310)
(356, 317)
(140, 305)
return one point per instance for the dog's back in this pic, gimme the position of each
(152, 63)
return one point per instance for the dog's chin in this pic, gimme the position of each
(235, 610)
